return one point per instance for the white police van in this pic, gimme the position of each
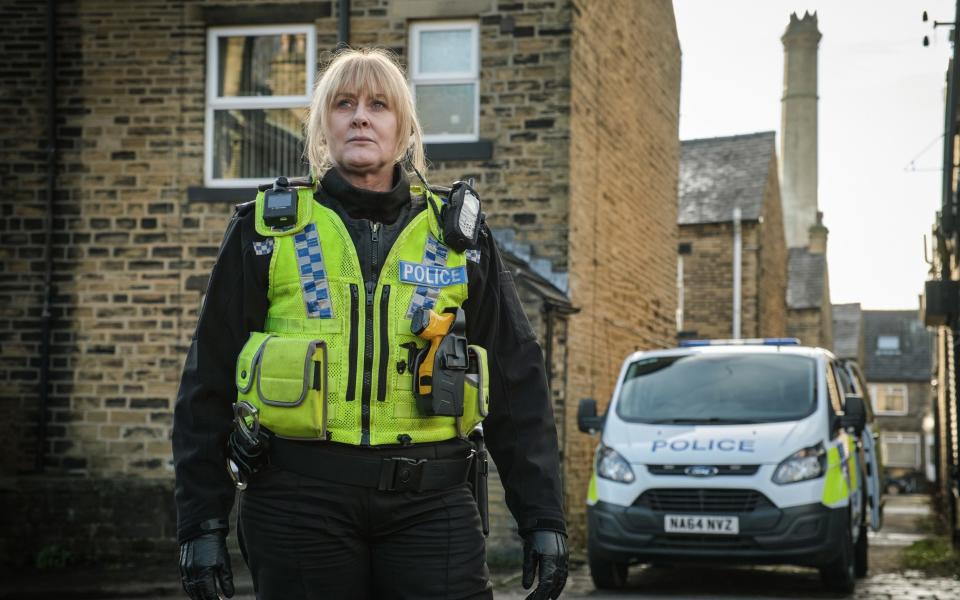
(754, 451)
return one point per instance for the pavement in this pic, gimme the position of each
(905, 518)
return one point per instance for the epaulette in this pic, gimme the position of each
(440, 190)
(287, 182)
(244, 208)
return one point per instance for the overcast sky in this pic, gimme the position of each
(881, 109)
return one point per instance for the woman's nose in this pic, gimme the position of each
(360, 116)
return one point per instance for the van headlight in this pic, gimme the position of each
(610, 465)
(802, 465)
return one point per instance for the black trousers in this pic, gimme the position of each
(305, 538)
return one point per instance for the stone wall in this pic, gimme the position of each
(920, 398)
(624, 157)
(772, 276)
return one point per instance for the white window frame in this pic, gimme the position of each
(249, 102)
(451, 77)
(898, 437)
(888, 351)
(875, 389)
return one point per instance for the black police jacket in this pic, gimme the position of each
(519, 431)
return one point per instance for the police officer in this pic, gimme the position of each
(361, 489)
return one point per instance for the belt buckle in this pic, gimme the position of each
(399, 474)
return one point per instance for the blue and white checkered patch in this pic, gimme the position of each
(313, 274)
(434, 255)
(264, 247)
(473, 255)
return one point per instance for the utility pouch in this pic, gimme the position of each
(285, 378)
(477, 477)
(476, 390)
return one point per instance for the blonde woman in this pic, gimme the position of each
(320, 316)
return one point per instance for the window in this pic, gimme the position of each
(889, 399)
(901, 449)
(888, 344)
(445, 79)
(259, 81)
(833, 391)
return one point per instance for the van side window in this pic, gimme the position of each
(847, 385)
(833, 391)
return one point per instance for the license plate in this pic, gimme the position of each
(701, 524)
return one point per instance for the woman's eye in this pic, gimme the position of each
(343, 103)
(379, 104)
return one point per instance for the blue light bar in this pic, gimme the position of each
(744, 342)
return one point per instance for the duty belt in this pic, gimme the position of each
(385, 473)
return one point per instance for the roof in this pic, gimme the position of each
(912, 362)
(720, 174)
(847, 330)
(537, 273)
(806, 274)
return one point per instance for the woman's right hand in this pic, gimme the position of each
(205, 565)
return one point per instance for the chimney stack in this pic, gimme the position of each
(818, 236)
(798, 128)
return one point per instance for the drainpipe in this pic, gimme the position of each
(737, 266)
(48, 228)
(343, 23)
(680, 291)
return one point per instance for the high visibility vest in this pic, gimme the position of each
(333, 361)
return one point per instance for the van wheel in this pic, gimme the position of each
(840, 574)
(608, 575)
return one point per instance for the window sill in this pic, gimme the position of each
(479, 150)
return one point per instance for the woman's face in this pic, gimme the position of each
(363, 134)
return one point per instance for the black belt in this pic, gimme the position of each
(385, 473)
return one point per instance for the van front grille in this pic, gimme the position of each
(704, 500)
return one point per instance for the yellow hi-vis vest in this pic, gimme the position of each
(333, 360)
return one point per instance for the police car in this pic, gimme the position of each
(753, 451)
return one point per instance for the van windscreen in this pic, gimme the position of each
(718, 388)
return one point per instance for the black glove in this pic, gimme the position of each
(549, 550)
(204, 562)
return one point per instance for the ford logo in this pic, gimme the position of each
(701, 471)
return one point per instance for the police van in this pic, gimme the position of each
(755, 451)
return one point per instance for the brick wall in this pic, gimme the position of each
(772, 275)
(708, 279)
(625, 76)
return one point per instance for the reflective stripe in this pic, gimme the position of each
(434, 255)
(313, 274)
(264, 247)
(835, 491)
(592, 495)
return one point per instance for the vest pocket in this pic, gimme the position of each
(476, 391)
(286, 379)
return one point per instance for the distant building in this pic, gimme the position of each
(730, 220)
(898, 370)
(848, 332)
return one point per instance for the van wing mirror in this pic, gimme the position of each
(587, 419)
(854, 413)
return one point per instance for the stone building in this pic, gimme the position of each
(898, 369)
(730, 220)
(168, 112)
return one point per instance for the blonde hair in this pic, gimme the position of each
(359, 71)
